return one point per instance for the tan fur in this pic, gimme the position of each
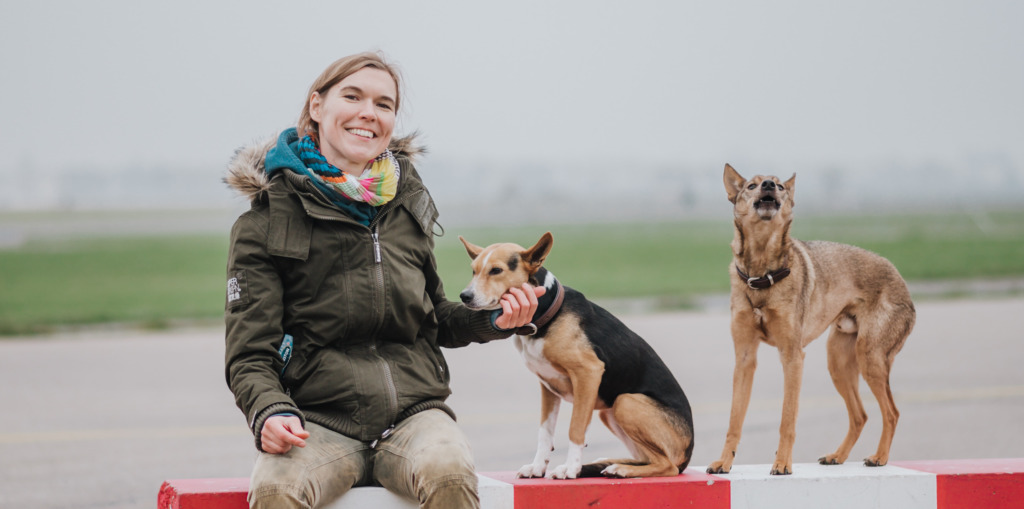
(860, 294)
(658, 439)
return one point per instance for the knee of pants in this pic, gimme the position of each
(441, 466)
(278, 496)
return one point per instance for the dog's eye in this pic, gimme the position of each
(781, 187)
(752, 186)
(495, 271)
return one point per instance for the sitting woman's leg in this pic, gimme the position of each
(311, 476)
(428, 459)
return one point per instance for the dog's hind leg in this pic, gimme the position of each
(661, 439)
(875, 367)
(842, 365)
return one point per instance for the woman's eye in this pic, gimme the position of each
(495, 271)
(351, 97)
(384, 106)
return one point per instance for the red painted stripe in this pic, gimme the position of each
(692, 489)
(975, 484)
(204, 494)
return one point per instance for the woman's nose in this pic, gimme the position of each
(367, 110)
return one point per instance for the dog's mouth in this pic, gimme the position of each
(766, 206)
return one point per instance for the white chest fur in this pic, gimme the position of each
(532, 350)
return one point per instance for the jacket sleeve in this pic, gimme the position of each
(458, 325)
(253, 333)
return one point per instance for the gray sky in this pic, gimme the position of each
(107, 84)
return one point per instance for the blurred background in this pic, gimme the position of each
(895, 104)
(118, 119)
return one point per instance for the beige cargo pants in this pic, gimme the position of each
(427, 458)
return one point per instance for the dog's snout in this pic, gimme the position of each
(768, 185)
(466, 296)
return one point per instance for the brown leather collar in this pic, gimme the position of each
(766, 281)
(548, 314)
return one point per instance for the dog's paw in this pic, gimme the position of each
(875, 461)
(532, 470)
(618, 471)
(831, 459)
(719, 467)
(566, 471)
(782, 469)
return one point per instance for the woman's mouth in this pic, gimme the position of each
(362, 132)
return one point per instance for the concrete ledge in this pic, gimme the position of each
(956, 484)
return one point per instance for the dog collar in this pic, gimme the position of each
(553, 299)
(766, 281)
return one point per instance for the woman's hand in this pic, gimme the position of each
(518, 306)
(281, 432)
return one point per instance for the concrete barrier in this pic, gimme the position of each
(956, 484)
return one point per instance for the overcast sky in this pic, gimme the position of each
(105, 84)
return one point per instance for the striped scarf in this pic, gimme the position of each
(376, 186)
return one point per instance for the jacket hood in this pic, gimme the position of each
(249, 170)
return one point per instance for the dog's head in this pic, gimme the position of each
(498, 267)
(762, 197)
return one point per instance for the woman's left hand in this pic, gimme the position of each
(518, 306)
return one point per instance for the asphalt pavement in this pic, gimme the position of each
(99, 419)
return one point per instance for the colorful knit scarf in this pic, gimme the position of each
(376, 186)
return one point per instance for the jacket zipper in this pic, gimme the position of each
(389, 379)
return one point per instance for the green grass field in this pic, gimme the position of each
(155, 281)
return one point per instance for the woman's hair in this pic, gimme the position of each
(339, 70)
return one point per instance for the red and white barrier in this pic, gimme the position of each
(957, 484)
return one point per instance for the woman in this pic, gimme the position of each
(335, 312)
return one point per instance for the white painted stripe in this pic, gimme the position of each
(372, 496)
(495, 494)
(849, 486)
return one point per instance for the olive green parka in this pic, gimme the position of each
(364, 304)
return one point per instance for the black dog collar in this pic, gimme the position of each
(548, 305)
(766, 281)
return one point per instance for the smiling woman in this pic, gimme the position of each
(336, 257)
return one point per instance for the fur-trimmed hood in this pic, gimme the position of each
(247, 170)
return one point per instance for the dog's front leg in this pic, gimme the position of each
(585, 382)
(549, 404)
(745, 344)
(792, 371)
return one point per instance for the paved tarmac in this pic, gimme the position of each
(100, 419)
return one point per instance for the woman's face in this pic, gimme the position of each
(356, 118)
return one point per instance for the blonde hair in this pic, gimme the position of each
(339, 70)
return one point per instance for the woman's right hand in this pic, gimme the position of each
(281, 432)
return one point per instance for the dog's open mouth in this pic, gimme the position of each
(767, 206)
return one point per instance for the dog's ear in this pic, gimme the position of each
(473, 249)
(791, 188)
(534, 257)
(733, 182)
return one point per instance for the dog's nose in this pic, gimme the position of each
(466, 296)
(768, 185)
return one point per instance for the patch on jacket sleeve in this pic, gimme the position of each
(238, 290)
(423, 209)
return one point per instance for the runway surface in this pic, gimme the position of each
(100, 419)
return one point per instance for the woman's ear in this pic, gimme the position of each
(315, 101)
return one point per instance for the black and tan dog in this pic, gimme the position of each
(786, 293)
(586, 356)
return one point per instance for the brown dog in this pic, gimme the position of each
(586, 356)
(786, 293)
